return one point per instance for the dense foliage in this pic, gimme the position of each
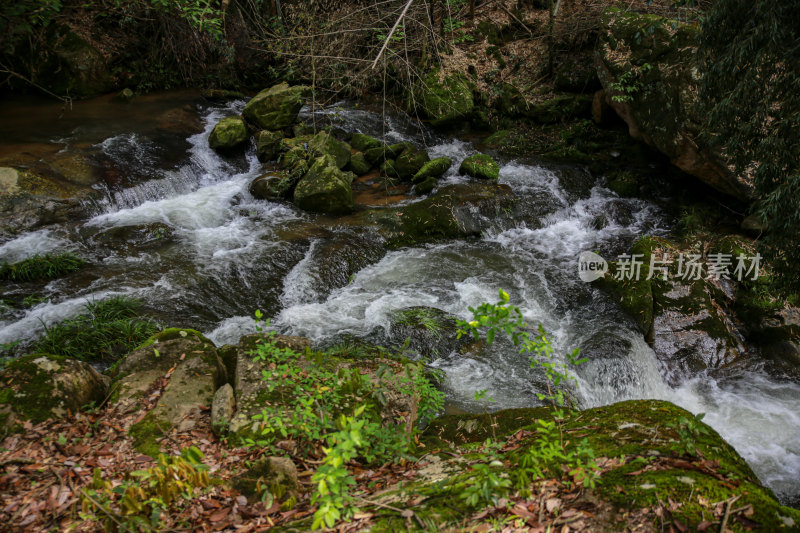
(751, 86)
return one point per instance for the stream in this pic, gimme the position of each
(226, 254)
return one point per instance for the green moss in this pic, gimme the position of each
(624, 183)
(229, 133)
(169, 334)
(146, 432)
(362, 142)
(445, 101)
(30, 389)
(480, 166)
(434, 168)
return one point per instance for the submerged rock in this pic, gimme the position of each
(275, 108)
(40, 386)
(480, 166)
(229, 133)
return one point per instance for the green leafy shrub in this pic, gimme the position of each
(110, 329)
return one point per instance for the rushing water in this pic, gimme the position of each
(228, 254)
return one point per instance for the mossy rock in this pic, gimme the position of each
(647, 466)
(431, 332)
(274, 186)
(410, 162)
(362, 142)
(358, 164)
(480, 166)
(435, 168)
(268, 145)
(229, 133)
(624, 183)
(71, 65)
(388, 168)
(375, 155)
(560, 109)
(194, 371)
(276, 474)
(169, 334)
(510, 101)
(445, 101)
(393, 151)
(40, 386)
(324, 189)
(426, 186)
(323, 143)
(276, 108)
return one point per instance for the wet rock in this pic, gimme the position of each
(222, 408)
(426, 186)
(434, 168)
(133, 238)
(480, 166)
(358, 164)
(268, 145)
(274, 186)
(229, 133)
(38, 387)
(410, 162)
(324, 188)
(362, 142)
(324, 143)
(624, 183)
(445, 101)
(124, 96)
(431, 332)
(276, 108)
(388, 168)
(660, 105)
(75, 168)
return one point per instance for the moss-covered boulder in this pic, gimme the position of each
(358, 164)
(455, 211)
(275, 108)
(274, 186)
(430, 332)
(426, 186)
(363, 142)
(624, 183)
(323, 143)
(388, 168)
(38, 387)
(229, 133)
(268, 145)
(279, 474)
(410, 162)
(649, 71)
(185, 367)
(435, 168)
(560, 109)
(645, 473)
(480, 166)
(324, 189)
(510, 101)
(444, 100)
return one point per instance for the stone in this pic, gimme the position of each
(480, 166)
(39, 387)
(275, 108)
(435, 168)
(124, 96)
(652, 84)
(323, 143)
(229, 133)
(358, 164)
(362, 142)
(444, 101)
(410, 162)
(324, 189)
(268, 145)
(278, 474)
(274, 186)
(426, 186)
(222, 408)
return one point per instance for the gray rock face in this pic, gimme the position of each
(222, 408)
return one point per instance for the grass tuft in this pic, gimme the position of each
(110, 329)
(41, 267)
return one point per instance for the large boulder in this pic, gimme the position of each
(325, 188)
(268, 145)
(38, 387)
(363, 142)
(180, 368)
(647, 65)
(275, 108)
(410, 162)
(229, 133)
(435, 168)
(444, 100)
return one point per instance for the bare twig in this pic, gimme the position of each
(389, 37)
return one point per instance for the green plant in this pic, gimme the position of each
(689, 429)
(138, 502)
(109, 329)
(487, 480)
(41, 267)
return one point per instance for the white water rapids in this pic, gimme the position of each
(231, 254)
